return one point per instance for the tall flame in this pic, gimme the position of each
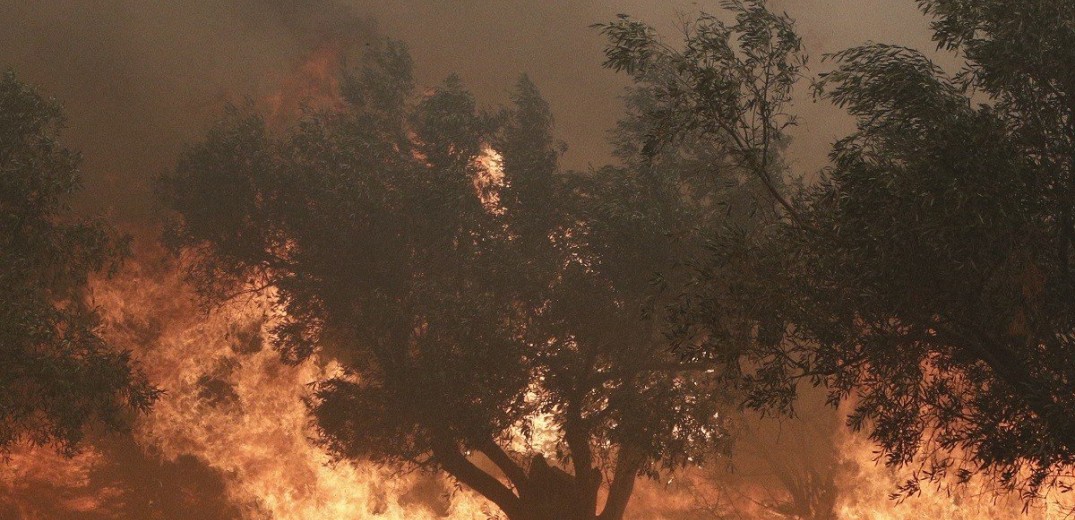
(231, 405)
(231, 402)
(314, 82)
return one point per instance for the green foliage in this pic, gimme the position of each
(461, 309)
(709, 125)
(928, 275)
(944, 268)
(57, 375)
(729, 82)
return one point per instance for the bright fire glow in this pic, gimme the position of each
(231, 403)
(489, 179)
(314, 82)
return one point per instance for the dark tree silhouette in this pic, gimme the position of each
(944, 282)
(463, 306)
(56, 373)
(928, 274)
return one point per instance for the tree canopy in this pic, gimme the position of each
(546, 337)
(473, 290)
(926, 277)
(57, 375)
(949, 241)
(470, 285)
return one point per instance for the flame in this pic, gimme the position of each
(867, 486)
(851, 484)
(314, 82)
(233, 405)
(489, 179)
(231, 402)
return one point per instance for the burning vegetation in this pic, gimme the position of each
(372, 299)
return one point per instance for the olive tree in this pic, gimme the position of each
(473, 290)
(927, 276)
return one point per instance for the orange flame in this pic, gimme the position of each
(314, 82)
(867, 486)
(489, 179)
(231, 402)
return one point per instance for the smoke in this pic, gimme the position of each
(115, 478)
(139, 79)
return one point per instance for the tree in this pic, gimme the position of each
(728, 86)
(57, 375)
(730, 83)
(945, 267)
(927, 276)
(467, 284)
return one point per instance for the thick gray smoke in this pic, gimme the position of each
(140, 78)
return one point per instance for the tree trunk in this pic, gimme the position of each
(545, 492)
(623, 484)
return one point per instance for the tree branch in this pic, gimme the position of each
(623, 483)
(511, 469)
(457, 465)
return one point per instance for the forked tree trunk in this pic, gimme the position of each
(544, 492)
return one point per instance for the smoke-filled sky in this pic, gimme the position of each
(139, 79)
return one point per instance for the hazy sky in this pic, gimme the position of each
(488, 45)
(139, 79)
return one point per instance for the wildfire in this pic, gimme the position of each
(489, 179)
(867, 487)
(234, 407)
(854, 485)
(314, 82)
(231, 402)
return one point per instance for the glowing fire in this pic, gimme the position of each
(232, 403)
(867, 485)
(234, 407)
(314, 82)
(489, 179)
(861, 488)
